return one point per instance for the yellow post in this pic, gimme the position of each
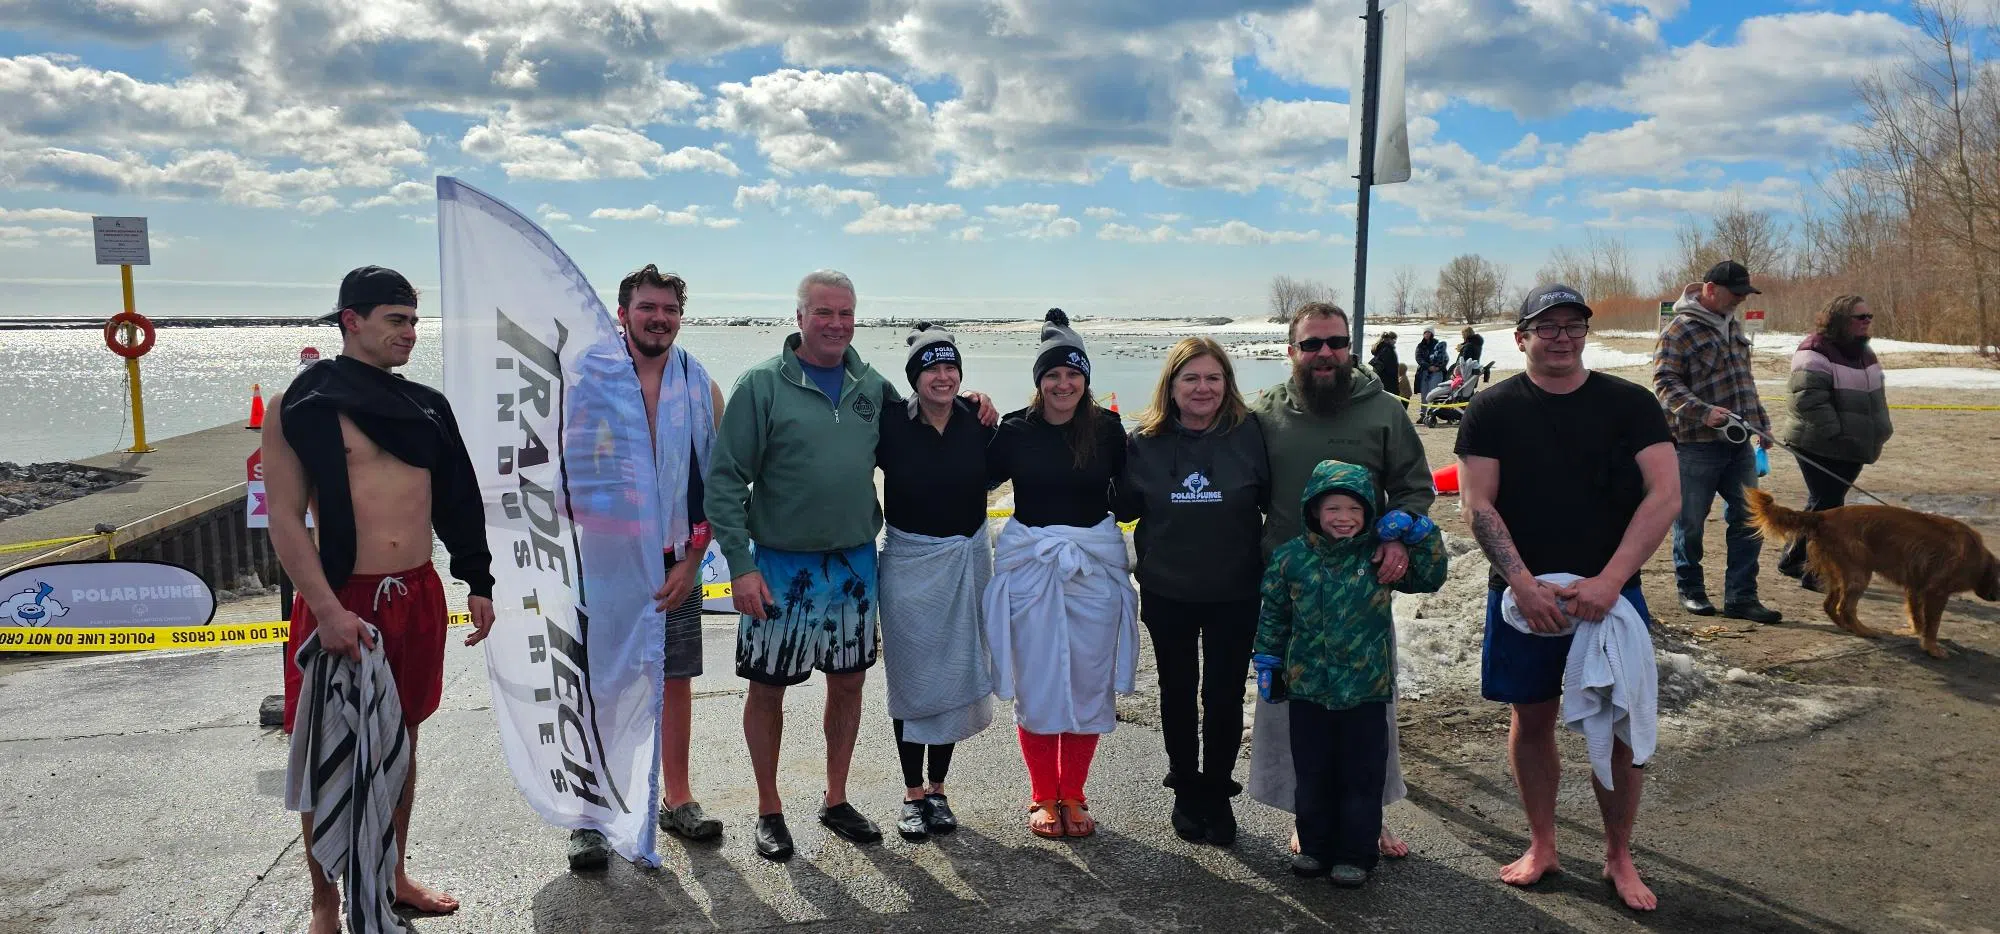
(139, 445)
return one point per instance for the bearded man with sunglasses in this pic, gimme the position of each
(1564, 472)
(1332, 409)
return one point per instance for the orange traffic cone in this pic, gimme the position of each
(256, 407)
(1114, 403)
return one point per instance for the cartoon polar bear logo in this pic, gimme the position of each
(33, 607)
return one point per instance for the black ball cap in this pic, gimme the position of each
(1731, 275)
(1550, 295)
(371, 285)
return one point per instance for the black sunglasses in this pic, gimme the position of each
(1313, 344)
(1863, 317)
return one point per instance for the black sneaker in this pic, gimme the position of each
(774, 839)
(1752, 611)
(588, 851)
(1697, 604)
(1306, 867)
(688, 821)
(851, 825)
(939, 819)
(914, 824)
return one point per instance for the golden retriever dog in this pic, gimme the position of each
(1930, 557)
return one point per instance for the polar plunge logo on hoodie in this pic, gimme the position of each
(1197, 490)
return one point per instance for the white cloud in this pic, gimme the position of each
(1167, 218)
(53, 215)
(1023, 213)
(319, 204)
(971, 233)
(721, 223)
(1058, 229)
(855, 123)
(1423, 232)
(690, 216)
(1757, 98)
(215, 174)
(1239, 233)
(1771, 194)
(590, 153)
(909, 218)
(579, 228)
(400, 193)
(821, 199)
(1102, 214)
(1160, 234)
(550, 213)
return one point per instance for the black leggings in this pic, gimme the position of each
(912, 755)
(1202, 651)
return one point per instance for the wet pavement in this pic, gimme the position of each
(140, 795)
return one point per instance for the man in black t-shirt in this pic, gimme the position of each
(1563, 471)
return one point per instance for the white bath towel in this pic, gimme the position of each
(1611, 683)
(933, 644)
(1062, 625)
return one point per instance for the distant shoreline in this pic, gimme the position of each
(967, 324)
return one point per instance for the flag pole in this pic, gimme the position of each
(1370, 103)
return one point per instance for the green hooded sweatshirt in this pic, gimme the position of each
(1324, 613)
(1373, 431)
(792, 469)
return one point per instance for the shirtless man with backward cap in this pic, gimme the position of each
(379, 460)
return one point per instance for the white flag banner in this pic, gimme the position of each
(1392, 125)
(551, 410)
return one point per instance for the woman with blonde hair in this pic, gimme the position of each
(1198, 479)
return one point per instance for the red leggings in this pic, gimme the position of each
(1058, 763)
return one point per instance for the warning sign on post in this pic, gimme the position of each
(1753, 320)
(121, 241)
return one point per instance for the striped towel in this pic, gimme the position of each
(350, 758)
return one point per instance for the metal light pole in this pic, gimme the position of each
(1371, 93)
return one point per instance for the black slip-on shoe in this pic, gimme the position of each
(939, 819)
(1189, 823)
(1754, 612)
(1306, 867)
(774, 839)
(588, 851)
(912, 823)
(851, 825)
(689, 822)
(1348, 877)
(1221, 822)
(1697, 604)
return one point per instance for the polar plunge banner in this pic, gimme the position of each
(551, 410)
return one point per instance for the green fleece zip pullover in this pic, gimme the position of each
(792, 469)
(1324, 613)
(1372, 431)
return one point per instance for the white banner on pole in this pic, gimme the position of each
(551, 411)
(1392, 126)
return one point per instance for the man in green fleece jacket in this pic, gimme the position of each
(790, 496)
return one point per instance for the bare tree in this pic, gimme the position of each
(1602, 267)
(1470, 289)
(1757, 239)
(1403, 298)
(1287, 294)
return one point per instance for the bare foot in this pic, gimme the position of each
(423, 898)
(1865, 632)
(1391, 845)
(1531, 867)
(1295, 842)
(1624, 877)
(325, 916)
(1937, 651)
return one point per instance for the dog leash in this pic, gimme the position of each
(1745, 430)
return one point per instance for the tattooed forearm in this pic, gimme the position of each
(1494, 540)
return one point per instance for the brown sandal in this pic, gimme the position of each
(1045, 821)
(1076, 815)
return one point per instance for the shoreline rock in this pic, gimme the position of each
(25, 488)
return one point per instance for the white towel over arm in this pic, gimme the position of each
(1611, 684)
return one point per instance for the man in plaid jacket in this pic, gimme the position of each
(1703, 377)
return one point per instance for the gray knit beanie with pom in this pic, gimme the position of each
(1061, 346)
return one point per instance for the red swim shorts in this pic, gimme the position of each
(408, 608)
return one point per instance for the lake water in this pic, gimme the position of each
(63, 395)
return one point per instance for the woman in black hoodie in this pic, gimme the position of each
(1197, 478)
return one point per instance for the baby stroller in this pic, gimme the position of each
(1465, 380)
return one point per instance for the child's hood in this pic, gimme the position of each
(1338, 476)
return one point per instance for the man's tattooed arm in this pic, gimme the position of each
(1494, 539)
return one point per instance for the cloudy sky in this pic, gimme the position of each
(973, 156)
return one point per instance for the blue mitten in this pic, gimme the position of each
(1393, 526)
(1419, 530)
(1270, 677)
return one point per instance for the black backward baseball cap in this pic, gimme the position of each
(370, 286)
(1731, 275)
(1550, 295)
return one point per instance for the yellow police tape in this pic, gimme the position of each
(1950, 408)
(51, 542)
